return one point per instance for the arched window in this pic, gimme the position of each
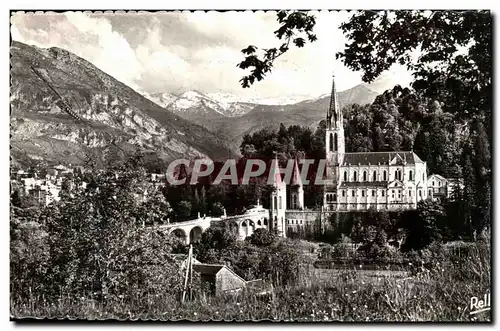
(331, 142)
(364, 176)
(275, 203)
(385, 175)
(294, 201)
(374, 176)
(399, 175)
(280, 203)
(411, 175)
(334, 198)
(335, 142)
(345, 176)
(355, 176)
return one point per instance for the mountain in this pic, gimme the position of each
(305, 113)
(105, 119)
(230, 117)
(161, 99)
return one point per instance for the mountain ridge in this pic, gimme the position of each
(122, 120)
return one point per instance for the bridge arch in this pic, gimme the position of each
(234, 228)
(180, 234)
(195, 234)
(244, 228)
(251, 227)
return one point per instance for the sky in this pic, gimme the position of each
(178, 51)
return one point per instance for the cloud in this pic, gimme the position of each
(175, 51)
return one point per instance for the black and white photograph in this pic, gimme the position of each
(251, 165)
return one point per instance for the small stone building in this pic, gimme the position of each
(219, 278)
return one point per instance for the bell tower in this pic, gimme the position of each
(334, 146)
(278, 200)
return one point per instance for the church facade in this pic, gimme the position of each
(369, 180)
(355, 181)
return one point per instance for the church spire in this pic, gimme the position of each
(334, 118)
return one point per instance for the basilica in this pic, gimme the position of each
(360, 181)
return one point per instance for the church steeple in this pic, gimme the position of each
(278, 199)
(334, 115)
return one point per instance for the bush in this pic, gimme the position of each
(262, 237)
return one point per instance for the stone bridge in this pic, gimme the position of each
(242, 226)
(189, 231)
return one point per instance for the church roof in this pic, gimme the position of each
(374, 158)
(363, 184)
(277, 180)
(296, 180)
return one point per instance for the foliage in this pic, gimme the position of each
(294, 27)
(455, 49)
(262, 237)
(92, 243)
(435, 294)
(423, 225)
(214, 244)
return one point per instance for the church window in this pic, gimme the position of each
(399, 174)
(343, 193)
(335, 142)
(385, 175)
(280, 203)
(355, 176)
(373, 193)
(294, 201)
(362, 193)
(353, 193)
(432, 183)
(345, 176)
(383, 193)
(409, 193)
(439, 183)
(275, 203)
(423, 176)
(420, 193)
(334, 198)
(331, 142)
(374, 176)
(411, 175)
(364, 176)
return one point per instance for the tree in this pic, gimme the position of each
(94, 244)
(455, 49)
(295, 27)
(423, 225)
(262, 237)
(214, 244)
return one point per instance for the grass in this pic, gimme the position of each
(440, 294)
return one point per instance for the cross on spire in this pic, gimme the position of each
(333, 109)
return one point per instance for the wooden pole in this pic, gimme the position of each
(191, 272)
(187, 275)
